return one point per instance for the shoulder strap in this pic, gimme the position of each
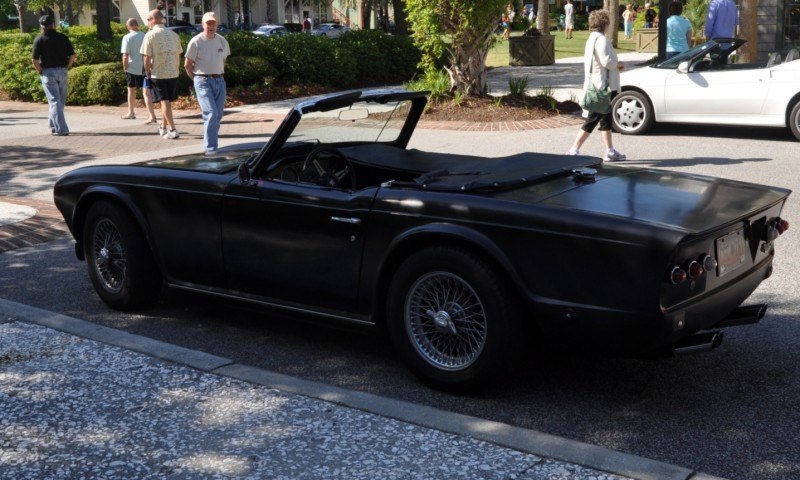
(591, 60)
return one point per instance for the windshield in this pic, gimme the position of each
(357, 123)
(712, 50)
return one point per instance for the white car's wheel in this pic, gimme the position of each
(794, 120)
(632, 113)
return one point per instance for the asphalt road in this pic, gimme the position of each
(734, 412)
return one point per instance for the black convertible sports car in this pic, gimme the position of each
(464, 260)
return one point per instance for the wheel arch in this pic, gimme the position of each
(99, 193)
(446, 235)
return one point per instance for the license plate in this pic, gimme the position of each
(731, 252)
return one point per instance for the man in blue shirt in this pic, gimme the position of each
(722, 19)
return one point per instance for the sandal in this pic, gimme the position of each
(151, 121)
(129, 116)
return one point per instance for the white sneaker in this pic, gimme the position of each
(572, 151)
(612, 155)
(171, 135)
(162, 131)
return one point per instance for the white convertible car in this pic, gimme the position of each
(706, 85)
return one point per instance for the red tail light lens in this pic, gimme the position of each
(695, 269)
(677, 275)
(782, 225)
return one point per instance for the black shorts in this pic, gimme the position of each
(604, 119)
(164, 89)
(134, 80)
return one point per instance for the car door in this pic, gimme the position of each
(294, 242)
(710, 94)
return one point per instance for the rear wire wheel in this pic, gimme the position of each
(453, 319)
(120, 263)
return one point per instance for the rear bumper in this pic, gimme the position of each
(632, 333)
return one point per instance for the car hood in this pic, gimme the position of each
(224, 160)
(641, 76)
(690, 203)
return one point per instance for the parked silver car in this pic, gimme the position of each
(271, 30)
(330, 30)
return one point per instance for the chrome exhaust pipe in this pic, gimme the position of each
(743, 316)
(698, 343)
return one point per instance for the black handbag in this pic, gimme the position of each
(595, 99)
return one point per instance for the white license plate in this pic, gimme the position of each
(731, 252)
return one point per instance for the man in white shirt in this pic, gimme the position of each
(205, 65)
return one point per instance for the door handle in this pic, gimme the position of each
(350, 220)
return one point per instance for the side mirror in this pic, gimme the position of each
(244, 173)
(683, 67)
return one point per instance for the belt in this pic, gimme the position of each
(212, 75)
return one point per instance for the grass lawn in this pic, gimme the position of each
(498, 55)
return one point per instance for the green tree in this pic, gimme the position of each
(461, 28)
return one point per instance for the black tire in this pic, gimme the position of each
(119, 260)
(632, 113)
(451, 283)
(794, 120)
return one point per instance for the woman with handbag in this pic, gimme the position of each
(600, 84)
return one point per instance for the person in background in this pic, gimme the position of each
(205, 65)
(721, 20)
(679, 31)
(506, 24)
(602, 68)
(531, 17)
(628, 16)
(649, 16)
(161, 53)
(53, 54)
(569, 19)
(134, 70)
(306, 24)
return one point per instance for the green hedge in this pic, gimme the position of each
(358, 58)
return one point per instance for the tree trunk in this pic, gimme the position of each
(612, 7)
(21, 11)
(543, 17)
(748, 29)
(104, 20)
(400, 27)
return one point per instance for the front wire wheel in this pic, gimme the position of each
(445, 321)
(120, 263)
(109, 256)
(632, 113)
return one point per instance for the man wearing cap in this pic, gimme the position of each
(52, 56)
(205, 65)
(161, 53)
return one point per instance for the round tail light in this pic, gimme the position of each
(695, 269)
(782, 226)
(677, 275)
(709, 263)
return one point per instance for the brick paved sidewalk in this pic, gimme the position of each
(46, 225)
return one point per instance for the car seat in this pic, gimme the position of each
(791, 55)
(774, 59)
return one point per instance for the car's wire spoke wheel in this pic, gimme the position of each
(445, 320)
(110, 257)
(630, 113)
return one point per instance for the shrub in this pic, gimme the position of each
(107, 83)
(18, 79)
(78, 82)
(437, 82)
(380, 58)
(243, 71)
(307, 58)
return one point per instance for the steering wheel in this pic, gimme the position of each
(328, 167)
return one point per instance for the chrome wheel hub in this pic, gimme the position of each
(110, 259)
(445, 321)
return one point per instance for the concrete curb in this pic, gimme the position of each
(515, 438)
